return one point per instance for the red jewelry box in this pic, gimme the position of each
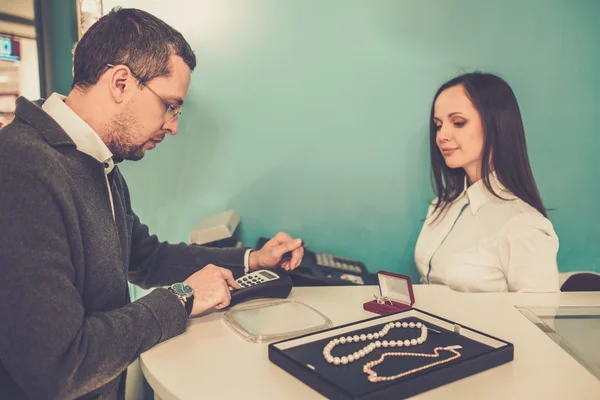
(396, 294)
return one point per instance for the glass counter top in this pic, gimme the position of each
(574, 328)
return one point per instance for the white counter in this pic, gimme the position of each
(210, 361)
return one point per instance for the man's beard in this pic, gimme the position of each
(121, 139)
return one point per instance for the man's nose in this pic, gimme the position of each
(171, 127)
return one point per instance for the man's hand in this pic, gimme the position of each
(272, 253)
(211, 288)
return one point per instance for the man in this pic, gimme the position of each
(69, 240)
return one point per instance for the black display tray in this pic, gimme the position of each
(302, 357)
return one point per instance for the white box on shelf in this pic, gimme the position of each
(216, 227)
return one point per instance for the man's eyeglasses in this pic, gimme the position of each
(172, 111)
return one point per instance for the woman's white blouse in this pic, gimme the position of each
(485, 244)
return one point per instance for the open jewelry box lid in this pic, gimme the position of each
(396, 287)
(395, 294)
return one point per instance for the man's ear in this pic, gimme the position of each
(121, 82)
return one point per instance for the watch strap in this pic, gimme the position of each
(189, 305)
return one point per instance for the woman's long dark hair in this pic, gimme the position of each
(504, 140)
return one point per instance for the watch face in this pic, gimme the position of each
(182, 289)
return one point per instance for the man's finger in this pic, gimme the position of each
(225, 273)
(225, 296)
(228, 276)
(282, 237)
(297, 255)
(227, 291)
(213, 301)
(288, 246)
(285, 265)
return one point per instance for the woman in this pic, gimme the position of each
(487, 229)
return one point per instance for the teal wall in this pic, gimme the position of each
(311, 117)
(56, 31)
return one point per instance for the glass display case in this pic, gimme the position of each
(575, 328)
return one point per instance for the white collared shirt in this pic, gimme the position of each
(485, 244)
(89, 142)
(85, 138)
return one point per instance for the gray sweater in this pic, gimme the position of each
(68, 328)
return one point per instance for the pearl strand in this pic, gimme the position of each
(372, 346)
(374, 378)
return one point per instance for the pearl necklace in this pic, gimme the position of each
(374, 378)
(372, 346)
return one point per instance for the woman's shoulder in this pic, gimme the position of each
(523, 220)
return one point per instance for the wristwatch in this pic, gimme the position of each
(185, 294)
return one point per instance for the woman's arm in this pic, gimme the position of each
(528, 248)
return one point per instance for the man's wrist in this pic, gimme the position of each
(253, 261)
(246, 260)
